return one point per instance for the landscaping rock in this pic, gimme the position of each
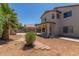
(41, 46)
(45, 47)
(19, 43)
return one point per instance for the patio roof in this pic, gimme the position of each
(44, 24)
(48, 22)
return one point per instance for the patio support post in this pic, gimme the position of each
(48, 29)
(41, 30)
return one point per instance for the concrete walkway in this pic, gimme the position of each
(70, 39)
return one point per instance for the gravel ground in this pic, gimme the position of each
(58, 47)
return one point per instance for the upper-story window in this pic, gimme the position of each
(44, 19)
(67, 14)
(53, 16)
(58, 16)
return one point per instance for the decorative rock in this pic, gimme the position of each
(36, 47)
(46, 47)
(39, 45)
(19, 44)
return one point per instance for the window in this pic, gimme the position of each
(52, 16)
(68, 29)
(58, 16)
(45, 19)
(65, 29)
(67, 14)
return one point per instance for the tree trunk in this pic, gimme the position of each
(5, 35)
(12, 32)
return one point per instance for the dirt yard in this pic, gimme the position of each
(57, 46)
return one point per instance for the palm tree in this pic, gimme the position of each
(1, 27)
(9, 20)
(13, 22)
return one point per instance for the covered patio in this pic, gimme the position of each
(47, 29)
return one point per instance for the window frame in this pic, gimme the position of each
(67, 14)
(68, 29)
(58, 15)
(65, 29)
(53, 16)
(44, 19)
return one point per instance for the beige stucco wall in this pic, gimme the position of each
(55, 27)
(48, 16)
(71, 21)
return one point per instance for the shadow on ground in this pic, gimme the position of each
(57, 37)
(4, 41)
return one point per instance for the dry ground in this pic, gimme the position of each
(58, 47)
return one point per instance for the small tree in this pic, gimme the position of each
(30, 38)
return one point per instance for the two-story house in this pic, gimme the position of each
(61, 21)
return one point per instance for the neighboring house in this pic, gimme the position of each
(38, 29)
(61, 21)
(30, 28)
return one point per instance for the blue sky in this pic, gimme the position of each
(30, 13)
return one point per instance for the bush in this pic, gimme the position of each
(30, 38)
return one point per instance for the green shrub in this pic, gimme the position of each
(30, 38)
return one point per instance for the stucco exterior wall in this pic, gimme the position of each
(71, 21)
(55, 27)
(61, 22)
(48, 17)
